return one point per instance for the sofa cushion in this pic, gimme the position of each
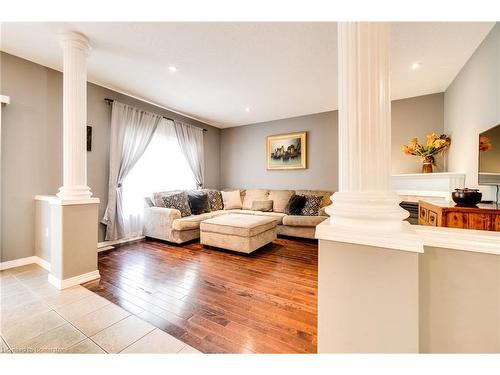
(231, 199)
(303, 221)
(158, 197)
(280, 199)
(311, 208)
(214, 199)
(278, 216)
(295, 205)
(190, 222)
(322, 212)
(178, 201)
(325, 195)
(264, 206)
(238, 225)
(198, 202)
(254, 195)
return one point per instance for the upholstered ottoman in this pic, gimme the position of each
(242, 233)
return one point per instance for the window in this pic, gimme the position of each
(162, 167)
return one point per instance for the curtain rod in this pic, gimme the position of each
(110, 101)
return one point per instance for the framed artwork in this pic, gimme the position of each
(286, 151)
(89, 138)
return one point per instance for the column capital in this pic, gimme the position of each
(76, 40)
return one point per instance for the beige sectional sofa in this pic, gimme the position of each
(168, 225)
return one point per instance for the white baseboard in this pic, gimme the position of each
(72, 281)
(43, 263)
(107, 245)
(24, 261)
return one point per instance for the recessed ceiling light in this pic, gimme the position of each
(415, 65)
(247, 109)
(172, 68)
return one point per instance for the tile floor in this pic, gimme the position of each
(36, 317)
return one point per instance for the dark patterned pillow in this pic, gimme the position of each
(178, 201)
(215, 200)
(295, 205)
(312, 205)
(198, 202)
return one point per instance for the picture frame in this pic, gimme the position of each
(286, 151)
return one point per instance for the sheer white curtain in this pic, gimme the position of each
(131, 131)
(161, 167)
(191, 141)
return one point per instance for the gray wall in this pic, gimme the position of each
(243, 162)
(459, 301)
(472, 105)
(31, 147)
(243, 148)
(415, 117)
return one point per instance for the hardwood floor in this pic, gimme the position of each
(219, 301)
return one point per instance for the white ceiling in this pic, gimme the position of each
(278, 70)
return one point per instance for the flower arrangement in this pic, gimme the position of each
(434, 145)
(484, 143)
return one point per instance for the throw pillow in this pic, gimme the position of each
(280, 199)
(198, 202)
(264, 206)
(215, 200)
(231, 199)
(295, 205)
(253, 195)
(179, 202)
(158, 197)
(311, 207)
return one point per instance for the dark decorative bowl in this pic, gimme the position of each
(466, 197)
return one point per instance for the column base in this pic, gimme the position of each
(369, 218)
(74, 192)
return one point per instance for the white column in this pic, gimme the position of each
(75, 51)
(365, 211)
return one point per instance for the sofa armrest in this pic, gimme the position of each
(158, 221)
(322, 212)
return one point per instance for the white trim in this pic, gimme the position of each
(435, 175)
(72, 281)
(101, 246)
(403, 238)
(424, 193)
(4, 99)
(24, 261)
(99, 249)
(43, 263)
(53, 199)
(478, 241)
(46, 198)
(17, 262)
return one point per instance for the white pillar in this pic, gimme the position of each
(368, 256)
(75, 51)
(365, 211)
(74, 216)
